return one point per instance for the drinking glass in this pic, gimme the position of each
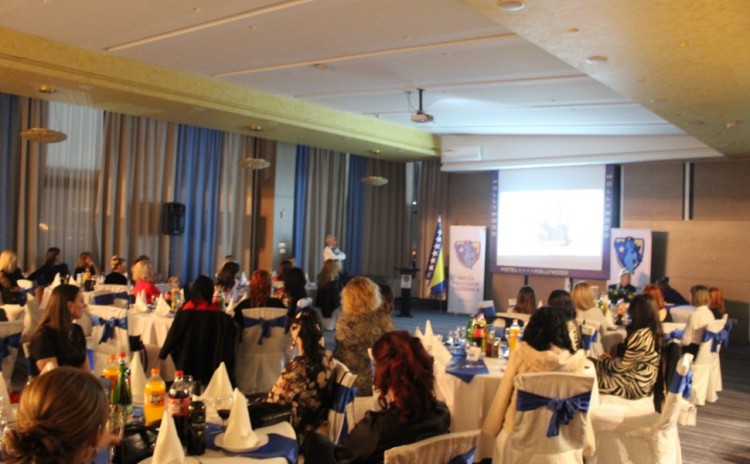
(223, 408)
(115, 429)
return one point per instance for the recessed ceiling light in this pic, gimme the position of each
(320, 66)
(374, 151)
(47, 89)
(573, 30)
(594, 59)
(511, 5)
(255, 128)
(731, 124)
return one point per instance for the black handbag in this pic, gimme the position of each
(137, 444)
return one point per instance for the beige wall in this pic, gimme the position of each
(711, 249)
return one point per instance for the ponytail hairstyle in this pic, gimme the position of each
(61, 418)
(403, 374)
(307, 327)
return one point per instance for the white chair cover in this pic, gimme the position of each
(707, 368)
(10, 342)
(25, 284)
(109, 334)
(258, 365)
(341, 415)
(590, 337)
(529, 442)
(442, 449)
(681, 314)
(649, 437)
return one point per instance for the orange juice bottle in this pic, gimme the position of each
(154, 396)
(513, 333)
(110, 373)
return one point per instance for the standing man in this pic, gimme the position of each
(331, 251)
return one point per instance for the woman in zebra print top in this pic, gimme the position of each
(633, 375)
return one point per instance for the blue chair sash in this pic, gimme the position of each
(676, 334)
(104, 299)
(718, 338)
(466, 458)
(563, 409)
(342, 396)
(682, 384)
(109, 326)
(587, 340)
(265, 325)
(12, 340)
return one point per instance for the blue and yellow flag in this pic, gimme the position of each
(435, 274)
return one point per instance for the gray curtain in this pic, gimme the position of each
(433, 201)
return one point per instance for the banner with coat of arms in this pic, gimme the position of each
(466, 268)
(631, 250)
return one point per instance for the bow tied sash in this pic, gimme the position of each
(563, 409)
(109, 326)
(717, 338)
(682, 384)
(265, 325)
(676, 334)
(588, 339)
(8, 342)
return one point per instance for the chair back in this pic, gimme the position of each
(263, 351)
(551, 421)
(341, 414)
(109, 334)
(25, 284)
(712, 341)
(706, 367)
(678, 393)
(451, 448)
(10, 342)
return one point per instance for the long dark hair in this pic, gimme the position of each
(644, 312)
(525, 300)
(548, 326)
(294, 284)
(403, 367)
(57, 316)
(561, 299)
(310, 332)
(51, 256)
(227, 274)
(202, 289)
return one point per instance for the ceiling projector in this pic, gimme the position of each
(421, 117)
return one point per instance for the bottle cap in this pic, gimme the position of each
(155, 371)
(178, 374)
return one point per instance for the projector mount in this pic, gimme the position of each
(420, 116)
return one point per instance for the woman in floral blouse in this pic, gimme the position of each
(305, 384)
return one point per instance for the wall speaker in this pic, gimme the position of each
(173, 218)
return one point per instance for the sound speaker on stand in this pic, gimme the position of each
(173, 218)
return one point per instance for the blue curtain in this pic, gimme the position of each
(197, 177)
(354, 208)
(300, 199)
(10, 125)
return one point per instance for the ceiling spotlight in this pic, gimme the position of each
(374, 181)
(255, 128)
(511, 5)
(47, 89)
(254, 163)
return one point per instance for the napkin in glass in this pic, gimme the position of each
(137, 379)
(162, 307)
(219, 385)
(441, 354)
(140, 303)
(428, 333)
(239, 433)
(168, 449)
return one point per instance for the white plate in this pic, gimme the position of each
(262, 440)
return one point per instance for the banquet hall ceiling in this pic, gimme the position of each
(343, 74)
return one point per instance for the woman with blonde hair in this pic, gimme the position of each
(143, 276)
(585, 305)
(698, 320)
(61, 419)
(10, 274)
(117, 276)
(358, 328)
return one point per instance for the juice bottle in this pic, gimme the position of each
(513, 333)
(154, 397)
(109, 375)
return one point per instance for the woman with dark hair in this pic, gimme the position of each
(305, 382)
(655, 293)
(118, 275)
(200, 295)
(561, 299)
(52, 266)
(226, 281)
(633, 376)
(294, 290)
(525, 301)
(546, 347)
(410, 412)
(61, 419)
(57, 339)
(328, 298)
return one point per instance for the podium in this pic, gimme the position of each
(407, 275)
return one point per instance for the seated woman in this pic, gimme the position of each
(52, 266)
(259, 295)
(546, 347)
(226, 281)
(560, 299)
(294, 290)
(358, 328)
(57, 339)
(10, 274)
(525, 301)
(655, 293)
(201, 336)
(410, 412)
(85, 263)
(633, 375)
(143, 276)
(698, 320)
(62, 417)
(328, 298)
(305, 383)
(117, 276)
(716, 305)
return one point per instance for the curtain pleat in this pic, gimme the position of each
(300, 200)
(432, 202)
(10, 126)
(385, 237)
(354, 213)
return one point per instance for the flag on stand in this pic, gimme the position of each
(435, 274)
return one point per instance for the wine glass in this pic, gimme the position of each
(115, 429)
(223, 408)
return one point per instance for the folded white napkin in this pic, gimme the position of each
(230, 307)
(418, 334)
(304, 303)
(55, 281)
(137, 379)
(428, 331)
(162, 307)
(168, 449)
(441, 354)
(140, 303)
(219, 385)
(48, 367)
(239, 433)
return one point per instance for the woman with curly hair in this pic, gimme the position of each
(410, 412)
(305, 382)
(61, 419)
(361, 324)
(546, 347)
